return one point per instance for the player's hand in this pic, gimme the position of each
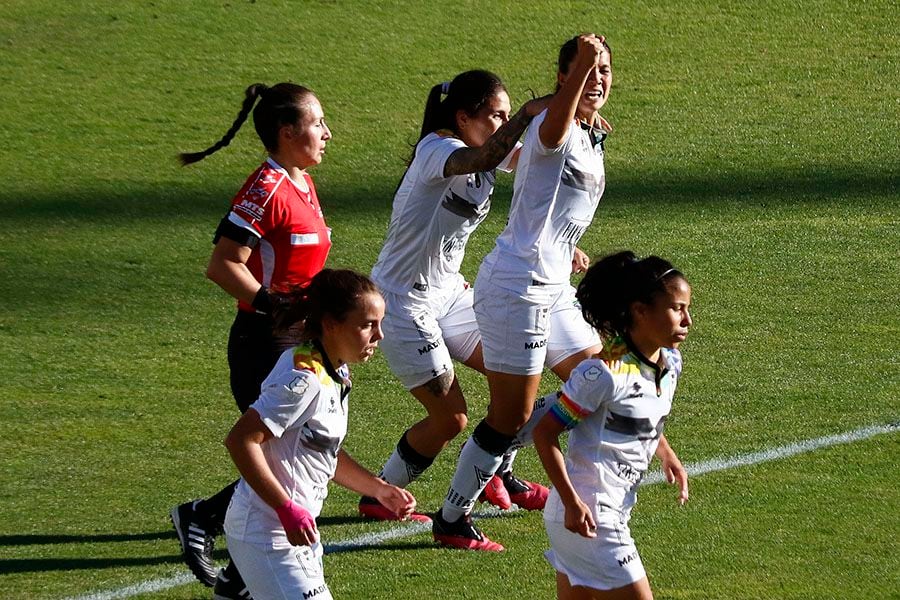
(580, 261)
(298, 523)
(579, 519)
(398, 500)
(287, 326)
(590, 47)
(675, 473)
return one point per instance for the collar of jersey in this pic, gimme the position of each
(658, 373)
(596, 134)
(326, 362)
(283, 171)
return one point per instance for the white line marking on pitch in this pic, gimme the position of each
(409, 529)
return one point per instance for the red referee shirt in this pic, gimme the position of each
(294, 240)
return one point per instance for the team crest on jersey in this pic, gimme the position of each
(299, 385)
(593, 374)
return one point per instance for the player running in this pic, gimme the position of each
(273, 238)
(287, 445)
(444, 195)
(615, 405)
(524, 303)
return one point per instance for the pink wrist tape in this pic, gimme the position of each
(294, 517)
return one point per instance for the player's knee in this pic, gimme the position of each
(455, 424)
(508, 421)
(448, 426)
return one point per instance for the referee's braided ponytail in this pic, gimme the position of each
(250, 95)
(279, 105)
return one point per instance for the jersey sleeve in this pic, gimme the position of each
(589, 386)
(432, 154)
(287, 399)
(505, 163)
(256, 208)
(533, 137)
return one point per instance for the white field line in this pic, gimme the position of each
(402, 530)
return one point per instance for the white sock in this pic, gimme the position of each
(474, 469)
(397, 471)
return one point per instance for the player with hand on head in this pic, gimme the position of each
(524, 303)
(287, 445)
(273, 238)
(467, 133)
(614, 406)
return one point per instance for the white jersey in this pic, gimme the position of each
(303, 403)
(616, 408)
(555, 195)
(432, 219)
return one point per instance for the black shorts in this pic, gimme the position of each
(252, 352)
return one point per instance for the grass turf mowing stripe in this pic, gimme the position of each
(408, 529)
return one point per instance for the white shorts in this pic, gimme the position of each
(606, 562)
(282, 573)
(522, 333)
(422, 339)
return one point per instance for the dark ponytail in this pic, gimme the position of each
(332, 292)
(614, 282)
(250, 95)
(279, 105)
(469, 91)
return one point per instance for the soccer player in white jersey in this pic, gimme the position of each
(524, 304)
(467, 133)
(287, 445)
(614, 405)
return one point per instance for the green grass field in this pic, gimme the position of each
(755, 146)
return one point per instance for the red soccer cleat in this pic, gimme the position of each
(462, 534)
(495, 493)
(525, 494)
(373, 509)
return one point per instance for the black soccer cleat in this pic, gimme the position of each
(197, 542)
(230, 585)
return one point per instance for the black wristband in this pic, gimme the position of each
(261, 301)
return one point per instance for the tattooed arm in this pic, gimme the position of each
(492, 153)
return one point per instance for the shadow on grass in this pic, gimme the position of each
(122, 202)
(30, 540)
(37, 565)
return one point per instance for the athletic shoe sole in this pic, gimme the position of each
(464, 543)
